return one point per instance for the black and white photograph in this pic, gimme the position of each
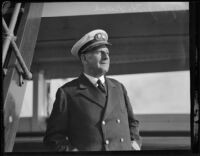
(100, 77)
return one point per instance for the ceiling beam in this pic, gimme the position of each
(141, 42)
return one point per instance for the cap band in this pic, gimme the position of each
(86, 45)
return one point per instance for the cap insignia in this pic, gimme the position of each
(100, 37)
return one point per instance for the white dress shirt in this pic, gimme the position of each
(94, 80)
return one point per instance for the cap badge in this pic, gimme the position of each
(100, 37)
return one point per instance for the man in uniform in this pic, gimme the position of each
(92, 112)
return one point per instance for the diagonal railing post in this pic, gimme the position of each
(7, 40)
(27, 73)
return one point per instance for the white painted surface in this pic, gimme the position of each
(158, 93)
(27, 106)
(53, 9)
(151, 93)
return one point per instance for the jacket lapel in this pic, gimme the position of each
(111, 98)
(89, 91)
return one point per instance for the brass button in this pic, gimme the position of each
(118, 121)
(107, 142)
(122, 140)
(103, 122)
(10, 119)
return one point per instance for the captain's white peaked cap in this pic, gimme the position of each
(90, 40)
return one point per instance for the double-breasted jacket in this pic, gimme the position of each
(85, 118)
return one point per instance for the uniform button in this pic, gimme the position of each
(103, 122)
(122, 140)
(107, 142)
(118, 121)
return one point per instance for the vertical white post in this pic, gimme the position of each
(39, 102)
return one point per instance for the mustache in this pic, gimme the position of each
(104, 62)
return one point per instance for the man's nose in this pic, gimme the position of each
(105, 55)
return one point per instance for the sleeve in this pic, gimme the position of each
(133, 122)
(57, 124)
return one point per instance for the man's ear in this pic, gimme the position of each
(83, 59)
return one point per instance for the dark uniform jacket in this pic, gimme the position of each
(85, 118)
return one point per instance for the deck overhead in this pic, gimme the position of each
(141, 42)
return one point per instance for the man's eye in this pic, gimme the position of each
(103, 52)
(99, 52)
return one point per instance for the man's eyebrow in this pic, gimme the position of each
(103, 50)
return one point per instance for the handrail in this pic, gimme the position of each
(7, 40)
(27, 73)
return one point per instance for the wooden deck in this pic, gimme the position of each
(34, 144)
(159, 132)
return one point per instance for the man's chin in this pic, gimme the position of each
(105, 67)
(104, 71)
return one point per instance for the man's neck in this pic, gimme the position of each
(93, 75)
(96, 77)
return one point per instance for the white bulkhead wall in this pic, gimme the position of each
(52, 9)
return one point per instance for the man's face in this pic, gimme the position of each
(97, 61)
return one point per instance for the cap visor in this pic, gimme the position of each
(97, 44)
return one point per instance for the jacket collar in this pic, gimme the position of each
(88, 90)
(85, 83)
(111, 99)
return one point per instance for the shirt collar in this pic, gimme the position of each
(94, 80)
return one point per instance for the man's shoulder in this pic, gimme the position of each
(114, 81)
(71, 84)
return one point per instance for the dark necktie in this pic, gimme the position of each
(101, 86)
